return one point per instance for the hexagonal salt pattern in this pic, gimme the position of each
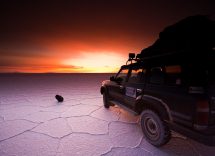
(79, 110)
(55, 128)
(58, 108)
(92, 101)
(124, 134)
(33, 123)
(12, 128)
(86, 124)
(128, 152)
(29, 144)
(18, 112)
(84, 145)
(1, 119)
(41, 116)
(111, 114)
(125, 116)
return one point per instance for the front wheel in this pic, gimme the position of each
(106, 100)
(155, 130)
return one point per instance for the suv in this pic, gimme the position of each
(171, 84)
(177, 96)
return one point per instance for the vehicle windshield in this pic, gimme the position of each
(136, 74)
(122, 75)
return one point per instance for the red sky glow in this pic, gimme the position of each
(83, 36)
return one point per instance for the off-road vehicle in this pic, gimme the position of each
(170, 84)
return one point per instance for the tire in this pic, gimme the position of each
(155, 130)
(106, 100)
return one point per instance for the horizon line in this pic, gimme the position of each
(51, 73)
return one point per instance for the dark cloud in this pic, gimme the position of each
(87, 19)
(26, 50)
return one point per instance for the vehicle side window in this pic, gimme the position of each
(173, 75)
(122, 75)
(135, 76)
(143, 76)
(156, 76)
(196, 75)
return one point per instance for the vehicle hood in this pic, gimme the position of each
(108, 83)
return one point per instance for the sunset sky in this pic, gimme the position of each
(84, 35)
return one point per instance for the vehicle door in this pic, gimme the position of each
(166, 84)
(134, 86)
(117, 90)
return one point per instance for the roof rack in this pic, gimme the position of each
(164, 58)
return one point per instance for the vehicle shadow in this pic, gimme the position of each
(178, 145)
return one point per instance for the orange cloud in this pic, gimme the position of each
(68, 55)
(41, 69)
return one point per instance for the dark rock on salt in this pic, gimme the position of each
(59, 98)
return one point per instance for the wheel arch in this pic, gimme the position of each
(102, 89)
(156, 104)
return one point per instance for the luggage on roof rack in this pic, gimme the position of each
(190, 38)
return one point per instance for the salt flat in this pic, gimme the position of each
(32, 123)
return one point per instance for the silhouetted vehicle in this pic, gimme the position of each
(171, 87)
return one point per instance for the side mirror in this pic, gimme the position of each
(119, 79)
(112, 78)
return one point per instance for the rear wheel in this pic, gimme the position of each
(155, 130)
(106, 100)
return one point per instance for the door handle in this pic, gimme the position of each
(121, 87)
(139, 90)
